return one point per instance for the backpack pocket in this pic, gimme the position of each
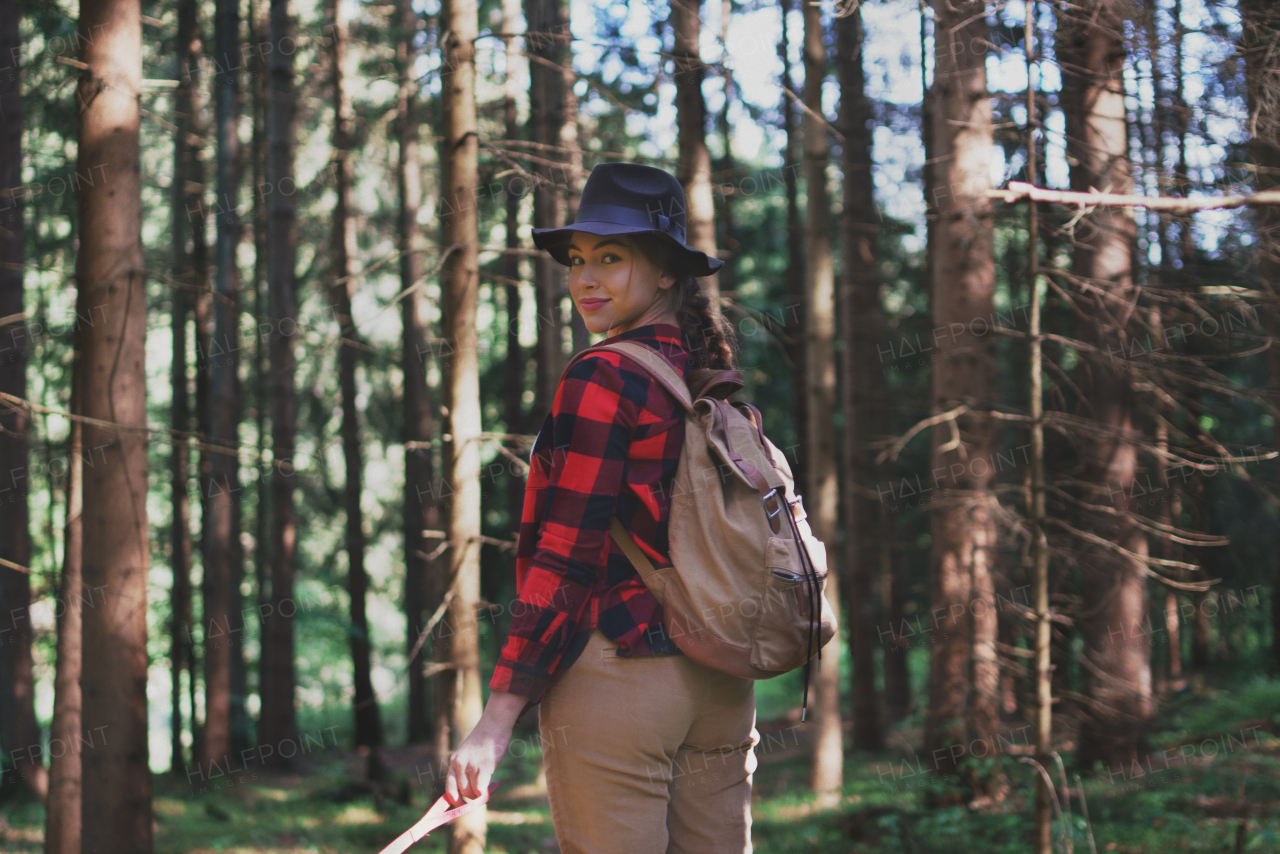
(787, 595)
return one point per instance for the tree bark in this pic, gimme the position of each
(368, 723)
(18, 727)
(547, 42)
(221, 642)
(62, 807)
(897, 681)
(1116, 657)
(110, 282)
(419, 497)
(822, 484)
(1038, 551)
(190, 273)
(861, 327)
(694, 165)
(1262, 74)
(795, 240)
(728, 274)
(460, 277)
(277, 722)
(514, 364)
(964, 676)
(571, 154)
(262, 511)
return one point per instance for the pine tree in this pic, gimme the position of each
(62, 829)
(420, 511)
(1117, 652)
(18, 725)
(1262, 68)
(460, 280)
(111, 379)
(547, 41)
(343, 284)
(277, 722)
(222, 493)
(962, 696)
(821, 486)
(694, 165)
(860, 328)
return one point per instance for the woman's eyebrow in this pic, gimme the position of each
(608, 241)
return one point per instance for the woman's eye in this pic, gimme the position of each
(609, 258)
(576, 260)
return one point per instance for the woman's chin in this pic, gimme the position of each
(598, 325)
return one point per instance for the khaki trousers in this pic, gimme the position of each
(648, 755)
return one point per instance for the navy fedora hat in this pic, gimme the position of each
(629, 198)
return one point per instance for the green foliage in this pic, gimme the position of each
(1196, 806)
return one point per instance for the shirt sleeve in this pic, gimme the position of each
(594, 415)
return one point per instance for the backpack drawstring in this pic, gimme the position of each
(811, 576)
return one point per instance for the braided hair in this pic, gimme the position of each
(711, 338)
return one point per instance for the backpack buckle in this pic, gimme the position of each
(773, 493)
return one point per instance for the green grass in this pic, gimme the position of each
(1192, 801)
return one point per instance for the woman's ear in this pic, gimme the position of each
(666, 280)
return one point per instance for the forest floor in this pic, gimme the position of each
(1212, 783)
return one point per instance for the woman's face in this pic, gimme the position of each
(615, 286)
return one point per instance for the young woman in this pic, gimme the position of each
(646, 751)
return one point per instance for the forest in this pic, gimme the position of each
(275, 343)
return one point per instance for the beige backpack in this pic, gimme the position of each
(746, 591)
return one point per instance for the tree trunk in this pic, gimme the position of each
(460, 278)
(795, 242)
(180, 621)
(1042, 640)
(18, 727)
(277, 722)
(262, 511)
(728, 274)
(963, 698)
(1200, 633)
(1262, 73)
(822, 485)
(694, 165)
(513, 390)
(571, 154)
(343, 245)
(419, 497)
(62, 807)
(1116, 657)
(861, 328)
(547, 42)
(897, 681)
(111, 286)
(190, 272)
(223, 491)
(202, 311)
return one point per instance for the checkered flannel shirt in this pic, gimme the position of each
(609, 445)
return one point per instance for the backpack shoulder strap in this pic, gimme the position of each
(659, 368)
(656, 366)
(629, 548)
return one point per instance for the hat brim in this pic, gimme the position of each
(556, 242)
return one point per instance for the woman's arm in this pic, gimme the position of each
(472, 765)
(593, 417)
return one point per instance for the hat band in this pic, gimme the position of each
(618, 215)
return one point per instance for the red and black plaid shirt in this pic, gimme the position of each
(609, 446)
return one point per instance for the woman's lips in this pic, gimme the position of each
(591, 303)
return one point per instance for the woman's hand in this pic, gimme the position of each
(472, 765)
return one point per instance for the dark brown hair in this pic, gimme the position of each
(712, 341)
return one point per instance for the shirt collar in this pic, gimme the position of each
(666, 332)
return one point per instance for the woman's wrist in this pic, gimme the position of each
(502, 710)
